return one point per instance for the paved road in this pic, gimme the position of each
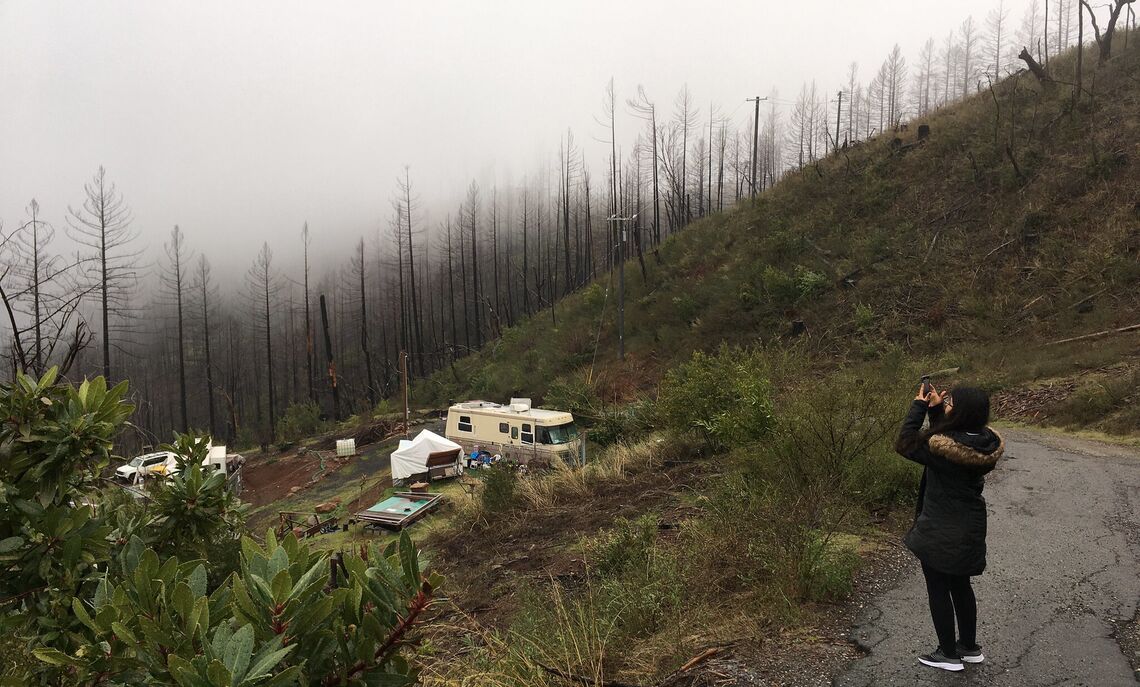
(1063, 577)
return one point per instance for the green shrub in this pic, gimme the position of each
(772, 522)
(864, 317)
(747, 296)
(827, 569)
(499, 482)
(299, 421)
(594, 296)
(724, 397)
(808, 282)
(636, 581)
(627, 422)
(627, 546)
(571, 393)
(606, 423)
(779, 285)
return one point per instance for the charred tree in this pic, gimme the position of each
(174, 281)
(309, 379)
(102, 224)
(370, 390)
(1104, 40)
(331, 364)
(203, 287)
(262, 284)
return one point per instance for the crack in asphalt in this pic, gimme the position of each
(1064, 551)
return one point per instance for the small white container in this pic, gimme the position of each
(345, 448)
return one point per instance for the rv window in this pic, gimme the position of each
(465, 423)
(559, 434)
(527, 434)
(514, 432)
(504, 427)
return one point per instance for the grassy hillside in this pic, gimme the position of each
(1015, 223)
(941, 250)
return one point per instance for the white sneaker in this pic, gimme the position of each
(937, 659)
(970, 655)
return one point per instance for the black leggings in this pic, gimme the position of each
(952, 595)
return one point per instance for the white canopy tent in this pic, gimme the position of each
(411, 458)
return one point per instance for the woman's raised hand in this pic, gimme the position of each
(932, 397)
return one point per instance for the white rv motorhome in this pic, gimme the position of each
(516, 431)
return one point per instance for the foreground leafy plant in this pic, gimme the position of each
(285, 616)
(281, 620)
(54, 440)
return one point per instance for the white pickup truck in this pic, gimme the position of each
(166, 463)
(144, 465)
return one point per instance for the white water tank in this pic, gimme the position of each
(345, 448)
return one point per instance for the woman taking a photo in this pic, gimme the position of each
(949, 531)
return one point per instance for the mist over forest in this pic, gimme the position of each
(432, 175)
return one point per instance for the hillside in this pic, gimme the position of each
(1014, 223)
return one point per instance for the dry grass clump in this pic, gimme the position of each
(612, 463)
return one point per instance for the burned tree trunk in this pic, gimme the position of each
(1104, 40)
(1036, 68)
(364, 348)
(329, 359)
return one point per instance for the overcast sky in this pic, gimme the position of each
(238, 121)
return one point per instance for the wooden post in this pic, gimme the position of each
(404, 370)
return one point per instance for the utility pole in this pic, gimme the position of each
(755, 136)
(837, 113)
(618, 221)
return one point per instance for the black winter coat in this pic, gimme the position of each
(949, 531)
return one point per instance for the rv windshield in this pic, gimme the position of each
(559, 434)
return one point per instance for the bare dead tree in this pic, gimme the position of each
(685, 116)
(410, 205)
(358, 268)
(174, 282)
(207, 294)
(472, 207)
(1104, 40)
(525, 254)
(102, 224)
(44, 293)
(968, 39)
(565, 153)
(330, 360)
(309, 358)
(451, 291)
(644, 108)
(261, 282)
(996, 37)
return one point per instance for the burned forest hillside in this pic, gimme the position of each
(976, 235)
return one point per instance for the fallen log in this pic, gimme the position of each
(1096, 335)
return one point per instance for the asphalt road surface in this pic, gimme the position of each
(1062, 584)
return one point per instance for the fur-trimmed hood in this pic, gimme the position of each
(975, 451)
